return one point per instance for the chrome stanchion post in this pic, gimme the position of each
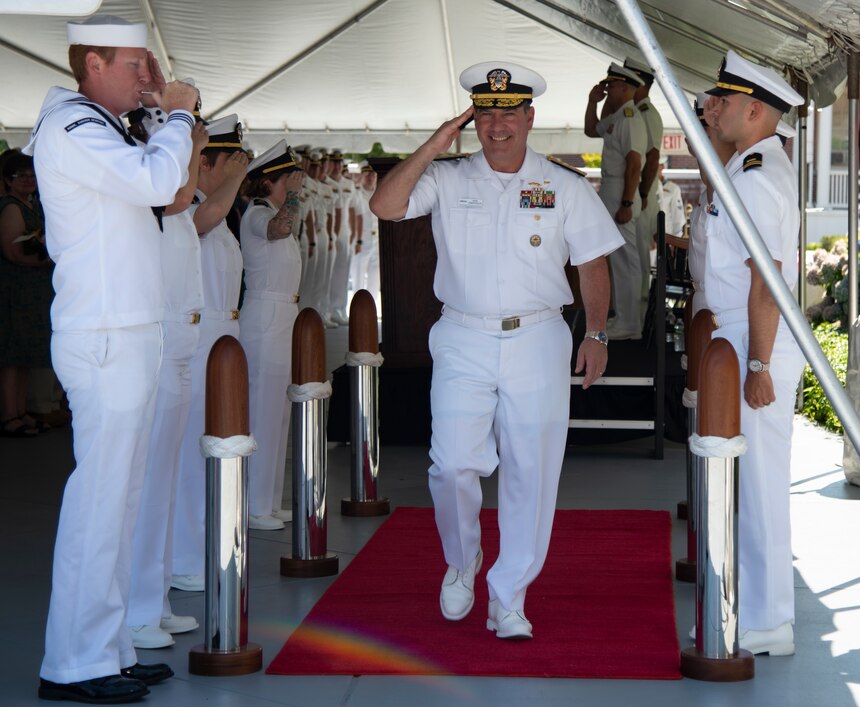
(717, 656)
(683, 509)
(226, 444)
(309, 393)
(364, 361)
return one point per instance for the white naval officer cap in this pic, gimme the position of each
(107, 31)
(279, 158)
(225, 133)
(315, 156)
(738, 75)
(501, 84)
(783, 129)
(619, 73)
(643, 71)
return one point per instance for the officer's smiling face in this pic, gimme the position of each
(125, 77)
(503, 133)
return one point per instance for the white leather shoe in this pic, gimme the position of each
(340, 318)
(283, 514)
(458, 590)
(178, 624)
(265, 523)
(508, 624)
(777, 641)
(150, 637)
(187, 582)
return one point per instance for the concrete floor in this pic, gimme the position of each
(826, 521)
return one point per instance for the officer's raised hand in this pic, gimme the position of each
(447, 133)
(177, 96)
(597, 93)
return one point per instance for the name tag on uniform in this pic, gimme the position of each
(471, 203)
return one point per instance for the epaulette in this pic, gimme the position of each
(644, 107)
(629, 113)
(562, 163)
(753, 161)
(452, 156)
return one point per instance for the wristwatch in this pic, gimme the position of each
(599, 336)
(756, 366)
(626, 203)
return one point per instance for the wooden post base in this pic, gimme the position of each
(685, 570)
(734, 669)
(364, 509)
(682, 511)
(248, 659)
(317, 567)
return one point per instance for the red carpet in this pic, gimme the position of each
(601, 608)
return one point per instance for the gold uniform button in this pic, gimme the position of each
(535, 240)
(537, 217)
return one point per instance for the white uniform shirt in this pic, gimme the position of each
(623, 132)
(97, 191)
(769, 193)
(323, 209)
(180, 265)
(370, 222)
(698, 240)
(497, 254)
(270, 265)
(221, 260)
(672, 204)
(653, 124)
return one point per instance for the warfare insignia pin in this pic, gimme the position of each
(498, 79)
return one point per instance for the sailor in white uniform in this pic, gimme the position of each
(624, 145)
(98, 187)
(671, 203)
(749, 102)
(223, 166)
(273, 270)
(505, 222)
(340, 273)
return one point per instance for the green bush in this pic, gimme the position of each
(816, 406)
(827, 242)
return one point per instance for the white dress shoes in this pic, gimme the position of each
(283, 514)
(187, 582)
(512, 625)
(265, 523)
(150, 637)
(777, 641)
(178, 624)
(458, 590)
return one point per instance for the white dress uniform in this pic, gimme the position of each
(339, 247)
(221, 264)
(672, 204)
(308, 202)
(272, 275)
(324, 214)
(152, 547)
(340, 275)
(365, 271)
(501, 397)
(765, 180)
(646, 224)
(700, 219)
(623, 132)
(97, 187)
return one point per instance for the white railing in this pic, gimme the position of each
(839, 189)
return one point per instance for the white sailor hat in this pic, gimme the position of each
(106, 31)
(279, 158)
(738, 75)
(619, 73)
(641, 70)
(501, 84)
(225, 133)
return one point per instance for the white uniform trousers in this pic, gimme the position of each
(110, 377)
(364, 270)
(189, 524)
(340, 275)
(152, 546)
(765, 574)
(304, 285)
(625, 262)
(499, 399)
(319, 283)
(646, 227)
(327, 301)
(266, 334)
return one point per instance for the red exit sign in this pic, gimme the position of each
(673, 144)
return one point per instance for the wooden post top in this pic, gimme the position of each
(308, 348)
(698, 338)
(363, 332)
(227, 390)
(719, 400)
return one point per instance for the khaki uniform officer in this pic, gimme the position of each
(751, 100)
(625, 142)
(505, 222)
(97, 187)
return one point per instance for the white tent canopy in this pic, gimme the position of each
(349, 73)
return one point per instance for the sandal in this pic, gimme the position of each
(20, 430)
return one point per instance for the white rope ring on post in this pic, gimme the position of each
(689, 398)
(227, 447)
(308, 391)
(363, 358)
(722, 447)
(684, 362)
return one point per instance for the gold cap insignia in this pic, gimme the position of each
(498, 79)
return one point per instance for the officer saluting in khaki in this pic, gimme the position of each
(505, 222)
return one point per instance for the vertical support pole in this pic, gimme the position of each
(853, 91)
(803, 199)
(684, 506)
(225, 650)
(660, 329)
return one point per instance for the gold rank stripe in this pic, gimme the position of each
(515, 96)
(734, 87)
(279, 166)
(225, 144)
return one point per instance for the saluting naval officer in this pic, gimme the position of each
(505, 222)
(746, 110)
(625, 143)
(98, 187)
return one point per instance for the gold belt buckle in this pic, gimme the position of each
(295, 299)
(195, 317)
(234, 314)
(510, 323)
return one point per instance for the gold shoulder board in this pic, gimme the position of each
(753, 161)
(562, 163)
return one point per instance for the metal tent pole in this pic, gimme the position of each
(853, 88)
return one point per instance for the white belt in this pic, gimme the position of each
(272, 296)
(190, 318)
(732, 316)
(229, 315)
(476, 321)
